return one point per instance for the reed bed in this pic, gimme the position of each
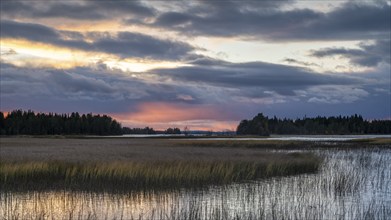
(143, 175)
(349, 185)
(323, 195)
(381, 143)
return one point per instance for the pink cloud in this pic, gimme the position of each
(160, 115)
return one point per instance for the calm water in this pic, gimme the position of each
(353, 184)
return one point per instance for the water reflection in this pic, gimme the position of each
(351, 185)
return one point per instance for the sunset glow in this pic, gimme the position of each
(159, 115)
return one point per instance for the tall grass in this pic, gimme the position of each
(141, 175)
(324, 195)
(287, 144)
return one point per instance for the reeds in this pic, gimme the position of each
(142, 175)
(323, 195)
(288, 144)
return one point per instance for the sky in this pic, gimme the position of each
(201, 64)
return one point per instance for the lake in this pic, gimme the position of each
(352, 184)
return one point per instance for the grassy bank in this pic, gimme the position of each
(144, 175)
(288, 144)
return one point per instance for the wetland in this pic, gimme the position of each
(132, 178)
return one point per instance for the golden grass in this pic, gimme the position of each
(373, 141)
(121, 163)
(141, 175)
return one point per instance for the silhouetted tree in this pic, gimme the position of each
(172, 131)
(261, 125)
(28, 123)
(146, 130)
(2, 125)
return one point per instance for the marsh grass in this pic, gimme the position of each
(373, 141)
(346, 183)
(323, 195)
(144, 175)
(261, 144)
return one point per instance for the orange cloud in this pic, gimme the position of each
(169, 112)
(161, 115)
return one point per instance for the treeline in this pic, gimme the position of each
(20, 122)
(148, 130)
(264, 126)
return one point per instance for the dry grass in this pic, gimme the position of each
(123, 149)
(373, 141)
(143, 175)
(144, 149)
(139, 163)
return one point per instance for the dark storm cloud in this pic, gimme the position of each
(369, 55)
(100, 89)
(266, 84)
(47, 9)
(54, 83)
(265, 19)
(91, 84)
(351, 21)
(122, 8)
(84, 10)
(250, 19)
(133, 44)
(279, 78)
(33, 32)
(73, 82)
(233, 22)
(123, 44)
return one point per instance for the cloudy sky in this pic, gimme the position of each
(201, 64)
